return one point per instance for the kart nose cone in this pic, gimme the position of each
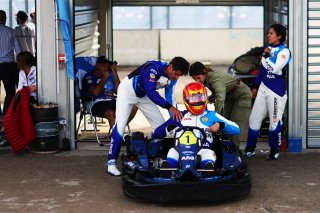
(188, 175)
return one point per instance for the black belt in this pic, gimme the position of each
(134, 72)
(137, 71)
(234, 88)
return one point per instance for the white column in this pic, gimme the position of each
(52, 80)
(46, 57)
(297, 87)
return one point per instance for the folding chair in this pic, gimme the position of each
(83, 116)
(84, 65)
(83, 112)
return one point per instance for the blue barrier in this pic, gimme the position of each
(295, 145)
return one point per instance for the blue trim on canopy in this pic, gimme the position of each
(65, 28)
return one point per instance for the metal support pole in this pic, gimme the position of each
(297, 73)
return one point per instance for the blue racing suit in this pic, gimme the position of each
(204, 121)
(272, 71)
(271, 97)
(89, 81)
(139, 89)
(150, 77)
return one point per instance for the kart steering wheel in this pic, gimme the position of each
(191, 128)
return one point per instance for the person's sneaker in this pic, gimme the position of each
(165, 173)
(209, 166)
(4, 143)
(274, 154)
(249, 152)
(112, 168)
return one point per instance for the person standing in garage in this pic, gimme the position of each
(272, 92)
(231, 97)
(26, 34)
(9, 44)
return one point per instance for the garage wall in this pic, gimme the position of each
(86, 27)
(134, 47)
(221, 46)
(217, 46)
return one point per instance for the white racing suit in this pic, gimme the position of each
(139, 89)
(207, 119)
(271, 97)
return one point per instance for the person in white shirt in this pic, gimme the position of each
(32, 24)
(25, 33)
(33, 16)
(28, 73)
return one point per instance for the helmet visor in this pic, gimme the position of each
(197, 99)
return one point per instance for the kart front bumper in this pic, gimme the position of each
(184, 191)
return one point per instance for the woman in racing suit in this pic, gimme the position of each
(197, 114)
(272, 93)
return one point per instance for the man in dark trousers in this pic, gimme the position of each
(8, 68)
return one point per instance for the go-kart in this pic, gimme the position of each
(145, 178)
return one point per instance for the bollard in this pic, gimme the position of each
(295, 145)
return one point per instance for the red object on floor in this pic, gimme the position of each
(284, 144)
(17, 122)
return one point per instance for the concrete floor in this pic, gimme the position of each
(76, 182)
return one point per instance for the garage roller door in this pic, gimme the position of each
(313, 122)
(86, 27)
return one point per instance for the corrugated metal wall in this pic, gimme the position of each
(86, 27)
(313, 59)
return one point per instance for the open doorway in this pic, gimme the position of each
(215, 35)
(142, 30)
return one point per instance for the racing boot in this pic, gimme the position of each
(112, 168)
(274, 154)
(249, 152)
(253, 135)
